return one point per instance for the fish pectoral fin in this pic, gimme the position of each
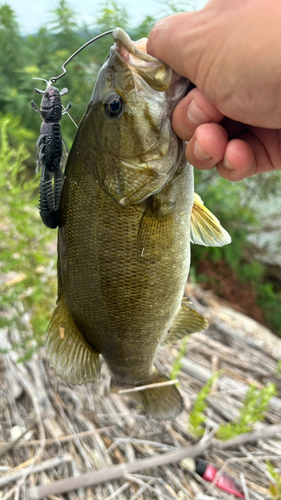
(160, 403)
(187, 321)
(70, 355)
(205, 228)
(156, 231)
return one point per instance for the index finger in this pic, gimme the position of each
(171, 41)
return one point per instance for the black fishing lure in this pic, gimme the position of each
(51, 150)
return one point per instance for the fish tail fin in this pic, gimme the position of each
(69, 353)
(160, 403)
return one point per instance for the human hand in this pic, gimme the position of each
(229, 50)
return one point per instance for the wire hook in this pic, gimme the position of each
(55, 78)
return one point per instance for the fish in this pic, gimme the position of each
(127, 215)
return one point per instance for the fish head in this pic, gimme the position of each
(128, 122)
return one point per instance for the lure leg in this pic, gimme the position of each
(65, 110)
(35, 107)
(63, 91)
(39, 155)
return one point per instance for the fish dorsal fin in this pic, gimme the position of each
(205, 228)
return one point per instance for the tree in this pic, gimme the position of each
(111, 16)
(64, 24)
(10, 54)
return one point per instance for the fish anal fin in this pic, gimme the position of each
(186, 322)
(70, 355)
(205, 228)
(159, 403)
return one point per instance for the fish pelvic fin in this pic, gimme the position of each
(205, 228)
(159, 403)
(186, 322)
(70, 355)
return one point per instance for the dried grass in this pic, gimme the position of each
(70, 430)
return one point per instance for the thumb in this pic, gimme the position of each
(179, 41)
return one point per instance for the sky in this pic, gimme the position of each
(32, 14)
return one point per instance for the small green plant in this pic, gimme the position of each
(177, 363)
(254, 408)
(196, 416)
(27, 248)
(278, 368)
(274, 489)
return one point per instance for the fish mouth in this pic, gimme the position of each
(131, 52)
(156, 73)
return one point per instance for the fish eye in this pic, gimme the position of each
(113, 104)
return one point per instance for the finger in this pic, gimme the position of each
(256, 151)
(207, 147)
(192, 111)
(175, 40)
(210, 148)
(238, 162)
(266, 146)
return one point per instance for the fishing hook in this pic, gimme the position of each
(55, 78)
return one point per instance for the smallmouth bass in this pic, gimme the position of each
(127, 216)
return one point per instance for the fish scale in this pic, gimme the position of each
(114, 276)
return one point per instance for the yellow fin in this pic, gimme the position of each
(160, 403)
(187, 321)
(70, 355)
(205, 228)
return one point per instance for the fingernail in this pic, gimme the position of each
(199, 153)
(227, 165)
(197, 115)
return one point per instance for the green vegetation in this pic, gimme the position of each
(274, 489)
(253, 409)
(278, 368)
(196, 416)
(177, 363)
(241, 209)
(41, 55)
(27, 267)
(27, 248)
